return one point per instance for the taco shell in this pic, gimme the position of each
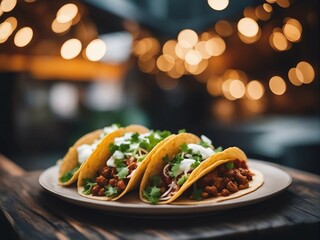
(98, 159)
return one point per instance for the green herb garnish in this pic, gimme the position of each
(182, 180)
(196, 194)
(110, 191)
(88, 185)
(123, 173)
(229, 165)
(68, 175)
(152, 194)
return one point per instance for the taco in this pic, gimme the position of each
(222, 180)
(178, 164)
(79, 153)
(119, 162)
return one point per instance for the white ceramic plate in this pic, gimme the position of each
(275, 181)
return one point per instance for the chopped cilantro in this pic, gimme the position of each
(88, 185)
(135, 137)
(163, 134)
(204, 144)
(155, 181)
(219, 149)
(119, 163)
(184, 148)
(182, 131)
(229, 165)
(196, 164)
(196, 194)
(110, 191)
(152, 194)
(182, 180)
(166, 159)
(124, 147)
(123, 172)
(174, 172)
(113, 148)
(144, 144)
(68, 175)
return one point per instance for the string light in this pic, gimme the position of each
(218, 5)
(96, 49)
(67, 12)
(71, 48)
(8, 5)
(277, 85)
(23, 37)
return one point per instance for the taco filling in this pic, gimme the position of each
(127, 153)
(178, 169)
(224, 180)
(85, 150)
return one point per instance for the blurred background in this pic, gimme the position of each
(244, 73)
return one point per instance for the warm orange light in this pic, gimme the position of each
(23, 37)
(169, 48)
(165, 62)
(218, 5)
(5, 31)
(59, 27)
(215, 46)
(295, 76)
(187, 38)
(196, 69)
(147, 63)
(283, 3)
(254, 90)
(67, 12)
(237, 88)
(201, 47)
(8, 5)
(193, 57)
(181, 51)
(292, 29)
(277, 85)
(267, 7)
(262, 14)
(214, 86)
(226, 89)
(250, 40)
(307, 71)
(250, 12)
(223, 28)
(71, 48)
(96, 49)
(248, 27)
(278, 41)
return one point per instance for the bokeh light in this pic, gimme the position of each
(59, 27)
(8, 5)
(71, 48)
(187, 38)
(67, 12)
(223, 28)
(218, 5)
(248, 27)
(292, 29)
(295, 76)
(23, 37)
(277, 85)
(254, 90)
(215, 46)
(307, 71)
(96, 49)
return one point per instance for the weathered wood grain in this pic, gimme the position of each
(35, 214)
(8, 167)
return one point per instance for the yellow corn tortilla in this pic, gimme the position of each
(70, 160)
(171, 149)
(254, 184)
(98, 159)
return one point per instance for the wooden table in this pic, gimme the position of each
(29, 212)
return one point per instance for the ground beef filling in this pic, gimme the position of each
(224, 180)
(108, 175)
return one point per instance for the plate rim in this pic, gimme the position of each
(119, 207)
